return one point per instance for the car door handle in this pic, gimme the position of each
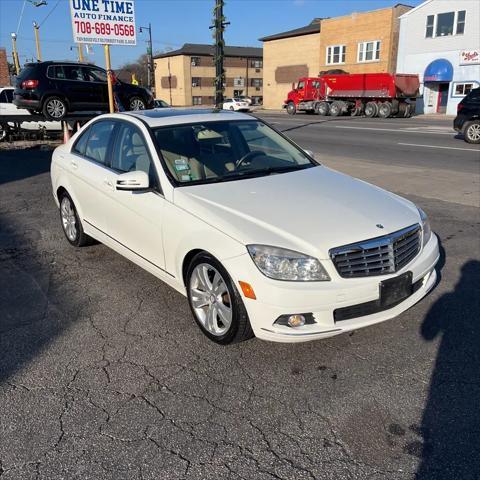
(108, 183)
(74, 164)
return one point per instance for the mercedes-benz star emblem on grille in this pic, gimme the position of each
(379, 225)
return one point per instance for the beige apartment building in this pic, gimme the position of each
(286, 57)
(362, 42)
(186, 76)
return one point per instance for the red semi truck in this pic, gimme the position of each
(369, 94)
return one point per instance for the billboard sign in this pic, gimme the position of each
(106, 22)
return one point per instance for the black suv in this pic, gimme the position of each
(467, 120)
(57, 88)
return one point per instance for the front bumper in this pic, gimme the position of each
(276, 298)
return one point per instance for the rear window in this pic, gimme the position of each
(27, 72)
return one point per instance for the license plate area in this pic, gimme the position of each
(396, 289)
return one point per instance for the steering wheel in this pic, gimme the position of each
(248, 157)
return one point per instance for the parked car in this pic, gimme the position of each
(58, 88)
(199, 199)
(467, 120)
(157, 103)
(7, 108)
(236, 104)
(245, 99)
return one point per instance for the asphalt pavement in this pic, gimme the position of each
(104, 374)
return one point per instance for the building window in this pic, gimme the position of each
(195, 61)
(445, 24)
(196, 82)
(369, 51)
(461, 22)
(430, 23)
(256, 82)
(256, 64)
(196, 100)
(336, 54)
(462, 89)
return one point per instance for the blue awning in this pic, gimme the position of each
(440, 70)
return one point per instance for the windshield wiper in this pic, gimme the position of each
(263, 171)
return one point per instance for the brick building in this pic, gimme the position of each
(4, 75)
(361, 42)
(186, 76)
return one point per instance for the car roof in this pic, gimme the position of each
(177, 116)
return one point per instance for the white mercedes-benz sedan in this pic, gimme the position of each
(262, 239)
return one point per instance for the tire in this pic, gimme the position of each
(235, 326)
(385, 110)
(322, 108)
(231, 108)
(54, 108)
(136, 103)
(371, 109)
(356, 111)
(71, 224)
(291, 108)
(336, 109)
(472, 132)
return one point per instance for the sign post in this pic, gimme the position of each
(104, 22)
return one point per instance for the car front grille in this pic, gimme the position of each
(378, 256)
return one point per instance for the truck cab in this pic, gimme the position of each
(303, 94)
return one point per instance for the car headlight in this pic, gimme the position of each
(427, 231)
(283, 264)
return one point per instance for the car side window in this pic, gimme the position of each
(81, 144)
(94, 74)
(56, 71)
(98, 140)
(73, 72)
(3, 97)
(131, 154)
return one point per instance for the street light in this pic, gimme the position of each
(36, 27)
(15, 54)
(151, 76)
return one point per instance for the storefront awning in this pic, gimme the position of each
(439, 70)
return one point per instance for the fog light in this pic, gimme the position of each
(296, 321)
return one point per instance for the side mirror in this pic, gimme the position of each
(133, 181)
(309, 153)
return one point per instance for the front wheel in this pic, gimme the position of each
(72, 227)
(291, 109)
(472, 132)
(215, 302)
(136, 103)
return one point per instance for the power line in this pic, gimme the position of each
(49, 13)
(21, 16)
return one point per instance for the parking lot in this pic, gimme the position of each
(104, 374)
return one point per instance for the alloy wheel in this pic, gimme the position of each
(210, 299)
(473, 132)
(69, 221)
(55, 108)
(137, 104)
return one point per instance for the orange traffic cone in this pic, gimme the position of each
(66, 132)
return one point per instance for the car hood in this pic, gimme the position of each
(310, 210)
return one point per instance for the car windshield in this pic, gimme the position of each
(229, 150)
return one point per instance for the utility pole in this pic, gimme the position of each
(15, 53)
(219, 27)
(36, 27)
(80, 52)
(150, 65)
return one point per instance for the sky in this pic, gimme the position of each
(174, 22)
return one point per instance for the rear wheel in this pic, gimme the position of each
(54, 108)
(336, 108)
(371, 109)
(215, 302)
(472, 132)
(291, 109)
(322, 108)
(385, 110)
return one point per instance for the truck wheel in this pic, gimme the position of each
(472, 132)
(291, 109)
(357, 111)
(322, 108)
(371, 109)
(336, 109)
(385, 110)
